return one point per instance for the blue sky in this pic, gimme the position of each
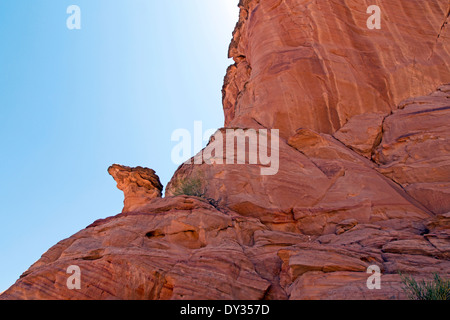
(73, 102)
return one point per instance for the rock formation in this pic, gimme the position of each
(139, 185)
(363, 177)
(315, 64)
(415, 149)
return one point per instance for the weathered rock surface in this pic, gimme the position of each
(343, 285)
(415, 149)
(139, 185)
(319, 184)
(362, 133)
(363, 176)
(185, 248)
(315, 64)
(182, 248)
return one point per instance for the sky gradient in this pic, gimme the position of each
(73, 102)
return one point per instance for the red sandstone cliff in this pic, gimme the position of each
(364, 174)
(315, 64)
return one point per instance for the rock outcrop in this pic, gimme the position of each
(139, 185)
(362, 179)
(415, 149)
(362, 133)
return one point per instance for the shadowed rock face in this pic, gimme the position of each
(363, 176)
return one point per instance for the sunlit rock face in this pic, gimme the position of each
(363, 176)
(139, 185)
(316, 64)
(415, 149)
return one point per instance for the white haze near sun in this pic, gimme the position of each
(232, 9)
